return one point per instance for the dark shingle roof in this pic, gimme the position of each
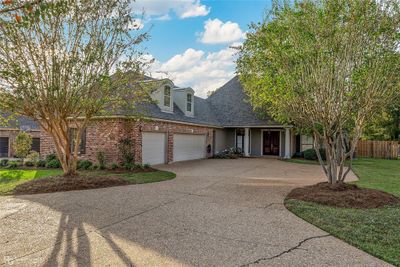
(20, 122)
(232, 107)
(226, 107)
(202, 110)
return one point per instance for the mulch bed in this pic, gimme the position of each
(344, 196)
(67, 183)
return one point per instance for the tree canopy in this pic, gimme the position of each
(67, 63)
(326, 66)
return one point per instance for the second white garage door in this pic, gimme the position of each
(189, 146)
(153, 148)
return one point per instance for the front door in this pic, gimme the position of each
(271, 143)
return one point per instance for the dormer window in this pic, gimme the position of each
(189, 102)
(167, 96)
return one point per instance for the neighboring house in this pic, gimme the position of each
(8, 134)
(181, 126)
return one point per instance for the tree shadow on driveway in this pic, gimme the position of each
(80, 228)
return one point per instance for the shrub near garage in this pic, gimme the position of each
(84, 164)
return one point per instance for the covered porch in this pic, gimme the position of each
(261, 141)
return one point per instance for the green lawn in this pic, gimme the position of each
(302, 161)
(375, 231)
(148, 177)
(380, 174)
(9, 179)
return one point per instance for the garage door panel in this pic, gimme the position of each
(189, 147)
(153, 148)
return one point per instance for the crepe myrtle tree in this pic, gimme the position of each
(326, 66)
(69, 62)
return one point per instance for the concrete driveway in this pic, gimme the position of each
(215, 213)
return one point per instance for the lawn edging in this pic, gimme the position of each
(48, 181)
(351, 227)
(374, 230)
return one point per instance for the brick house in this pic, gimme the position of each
(9, 133)
(181, 126)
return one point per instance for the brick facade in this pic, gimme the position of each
(103, 135)
(12, 134)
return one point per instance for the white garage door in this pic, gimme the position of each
(189, 146)
(153, 148)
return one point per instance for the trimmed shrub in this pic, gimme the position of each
(33, 157)
(3, 162)
(54, 163)
(29, 163)
(129, 165)
(114, 166)
(310, 154)
(41, 163)
(13, 164)
(101, 159)
(84, 164)
(231, 153)
(138, 166)
(146, 166)
(51, 157)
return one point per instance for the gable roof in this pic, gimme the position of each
(232, 107)
(228, 106)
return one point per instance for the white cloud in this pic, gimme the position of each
(217, 32)
(183, 61)
(196, 10)
(197, 69)
(161, 8)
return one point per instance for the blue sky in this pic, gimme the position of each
(191, 39)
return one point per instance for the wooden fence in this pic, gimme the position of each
(378, 149)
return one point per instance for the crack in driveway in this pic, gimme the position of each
(285, 251)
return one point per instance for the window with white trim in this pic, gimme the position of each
(189, 102)
(167, 96)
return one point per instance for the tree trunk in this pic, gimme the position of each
(68, 160)
(336, 155)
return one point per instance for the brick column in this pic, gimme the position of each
(170, 147)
